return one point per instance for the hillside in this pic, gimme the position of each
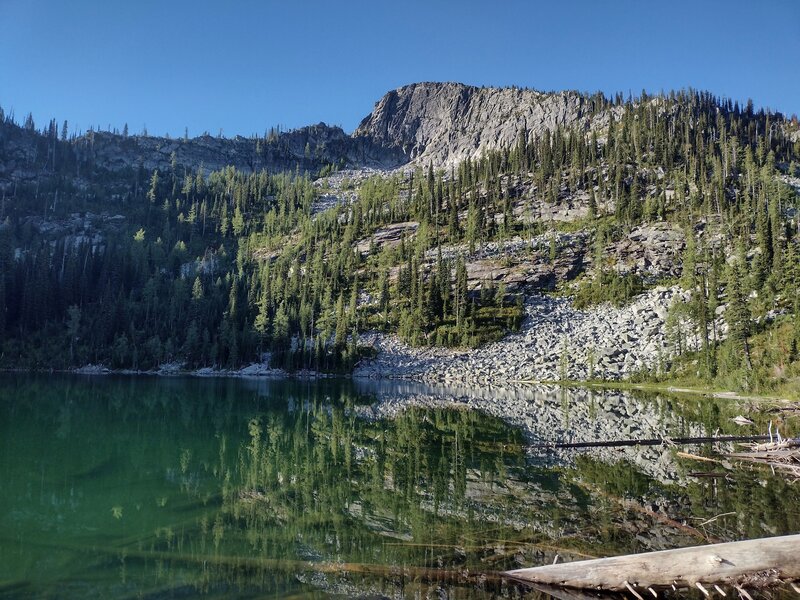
(514, 211)
(27, 154)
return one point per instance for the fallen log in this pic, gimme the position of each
(783, 456)
(773, 446)
(766, 560)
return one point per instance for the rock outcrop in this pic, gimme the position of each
(444, 123)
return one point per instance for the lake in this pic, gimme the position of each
(147, 487)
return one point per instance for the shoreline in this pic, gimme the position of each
(279, 374)
(602, 347)
(202, 373)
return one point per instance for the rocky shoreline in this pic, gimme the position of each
(557, 342)
(254, 370)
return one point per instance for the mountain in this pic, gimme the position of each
(425, 123)
(666, 225)
(438, 124)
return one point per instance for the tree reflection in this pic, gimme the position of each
(158, 487)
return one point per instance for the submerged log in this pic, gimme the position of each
(733, 563)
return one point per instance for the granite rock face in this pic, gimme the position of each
(444, 123)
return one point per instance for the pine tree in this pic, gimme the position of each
(384, 297)
(460, 301)
(473, 225)
(152, 193)
(689, 262)
(237, 223)
(262, 321)
(738, 313)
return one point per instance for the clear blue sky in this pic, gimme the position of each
(244, 66)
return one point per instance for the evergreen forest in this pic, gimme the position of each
(225, 267)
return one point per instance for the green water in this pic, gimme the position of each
(174, 488)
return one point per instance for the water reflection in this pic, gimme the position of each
(163, 487)
(553, 414)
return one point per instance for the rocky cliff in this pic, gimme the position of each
(444, 123)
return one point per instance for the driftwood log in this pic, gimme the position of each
(765, 560)
(783, 456)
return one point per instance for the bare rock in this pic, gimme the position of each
(444, 123)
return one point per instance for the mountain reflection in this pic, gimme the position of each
(162, 487)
